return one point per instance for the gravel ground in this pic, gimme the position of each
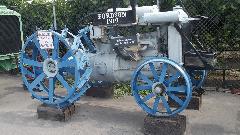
(219, 115)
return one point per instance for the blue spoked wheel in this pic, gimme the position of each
(157, 81)
(60, 74)
(197, 77)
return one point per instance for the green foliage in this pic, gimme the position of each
(124, 89)
(222, 32)
(75, 14)
(121, 90)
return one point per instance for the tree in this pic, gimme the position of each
(221, 31)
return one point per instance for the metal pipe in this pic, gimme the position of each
(54, 16)
(114, 29)
(158, 28)
(133, 4)
(158, 4)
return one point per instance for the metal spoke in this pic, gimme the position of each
(27, 72)
(145, 78)
(64, 83)
(67, 55)
(144, 87)
(55, 51)
(163, 73)
(155, 74)
(165, 104)
(77, 77)
(24, 55)
(35, 53)
(173, 78)
(34, 56)
(67, 63)
(51, 89)
(67, 69)
(155, 105)
(32, 62)
(177, 89)
(37, 80)
(175, 98)
(42, 51)
(43, 87)
(149, 96)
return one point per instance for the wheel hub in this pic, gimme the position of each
(159, 89)
(50, 67)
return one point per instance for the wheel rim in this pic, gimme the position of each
(156, 81)
(49, 67)
(197, 77)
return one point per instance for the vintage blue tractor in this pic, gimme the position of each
(57, 68)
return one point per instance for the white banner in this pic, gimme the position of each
(45, 40)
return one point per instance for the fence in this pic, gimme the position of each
(219, 33)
